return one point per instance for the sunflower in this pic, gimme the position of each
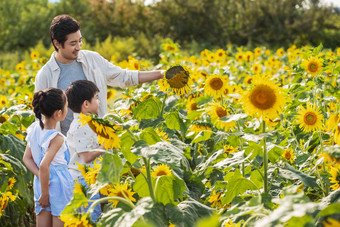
(332, 125)
(92, 173)
(335, 178)
(105, 130)
(248, 80)
(309, 119)
(256, 68)
(199, 127)
(215, 85)
(35, 55)
(3, 101)
(215, 200)
(191, 106)
(20, 67)
(249, 56)
(110, 94)
(228, 149)
(280, 52)
(162, 134)
(217, 111)
(313, 65)
(265, 99)
(257, 52)
(3, 118)
(240, 56)
(289, 155)
(221, 54)
(330, 222)
(176, 79)
(70, 220)
(229, 223)
(78, 188)
(121, 190)
(11, 182)
(161, 170)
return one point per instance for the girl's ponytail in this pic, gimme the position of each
(37, 99)
(47, 102)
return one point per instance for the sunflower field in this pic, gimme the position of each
(229, 137)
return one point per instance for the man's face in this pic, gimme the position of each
(71, 48)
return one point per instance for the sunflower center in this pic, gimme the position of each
(288, 155)
(161, 173)
(2, 119)
(310, 118)
(263, 97)
(194, 106)
(179, 80)
(221, 112)
(216, 83)
(312, 67)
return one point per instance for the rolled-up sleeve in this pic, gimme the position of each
(118, 77)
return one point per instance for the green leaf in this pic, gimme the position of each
(148, 109)
(14, 162)
(126, 144)
(78, 200)
(236, 186)
(202, 136)
(141, 186)
(212, 221)
(127, 219)
(15, 146)
(150, 136)
(111, 169)
(172, 121)
(290, 172)
(168, 189)
(234, 140)
(333, 208)
(317, 50)
(256, 178)
(274, 154)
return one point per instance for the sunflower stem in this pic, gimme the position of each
(147, 166)
(163, 105)
(120, 199)
(265, 159)
(132, 135)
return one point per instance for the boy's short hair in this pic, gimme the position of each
(78, 92)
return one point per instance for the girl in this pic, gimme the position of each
(47, 157)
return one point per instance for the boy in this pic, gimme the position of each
(82, 96)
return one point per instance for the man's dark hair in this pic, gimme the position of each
(78, 92)
(62, 26)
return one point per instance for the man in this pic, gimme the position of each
(69, 63)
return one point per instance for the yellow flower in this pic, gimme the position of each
(191, 106)
(215, 85)
(110, 94)
(3, 118)
(240, 56)
(72, 221)
(215, 199)
(11, 182)
(257, 52)
(256, 68)
(176, 79)
(35, 55)
(229, 223)
(289, 155)
(330, 222)
(280, 52)
(249, 56)
(313, 65)
(92, 173)
(122, 191)
(264, 100)
(221, 54)
(20, 67)
(309, 119)
(162, 134)
(199, 127)
(77, 188)
(105, 130)
(3, 101)
(228, 149)
(161, 170)
(335, 178)
(217, 111)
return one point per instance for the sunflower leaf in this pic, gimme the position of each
(111, 169)
(148, 109)
(293, 173)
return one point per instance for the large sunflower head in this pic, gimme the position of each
(105, 130)
(215, 85)
(176, 79)
(309, 119)
(123, 191)
(264, 99)
(313, 65)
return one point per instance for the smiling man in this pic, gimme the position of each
(69, 63)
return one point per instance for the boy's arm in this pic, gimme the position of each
(89, 156)
(29, 161)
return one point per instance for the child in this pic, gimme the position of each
(82, 96)
(47, 157)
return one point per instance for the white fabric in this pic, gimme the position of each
(96, 69)
(35, 133)
(80, 139)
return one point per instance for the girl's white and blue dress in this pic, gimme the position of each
(61, 181)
